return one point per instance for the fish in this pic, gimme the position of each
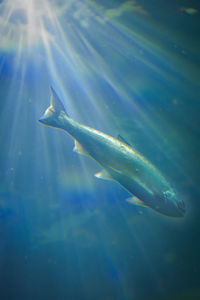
(119, 161)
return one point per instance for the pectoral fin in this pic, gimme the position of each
(103, 175)
(136, 201)
(78, 148)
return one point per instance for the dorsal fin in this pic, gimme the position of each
(123, 140)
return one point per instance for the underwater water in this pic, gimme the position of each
(122, 67)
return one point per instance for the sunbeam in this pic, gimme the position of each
(79, 45)
(22, 23)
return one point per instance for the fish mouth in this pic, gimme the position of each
(174, 209)
(181, 208)
(174, 205)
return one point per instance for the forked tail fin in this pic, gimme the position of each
(54, 113)
(56, 103)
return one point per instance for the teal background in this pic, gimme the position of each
(123, 68)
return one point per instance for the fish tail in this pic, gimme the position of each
(54, 114)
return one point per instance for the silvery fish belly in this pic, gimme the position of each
(119, 162)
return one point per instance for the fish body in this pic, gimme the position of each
(119, 161)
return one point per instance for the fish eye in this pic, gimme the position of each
(168, 194)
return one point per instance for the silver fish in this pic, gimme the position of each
(119, 161)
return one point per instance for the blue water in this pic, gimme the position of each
(122, 67)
